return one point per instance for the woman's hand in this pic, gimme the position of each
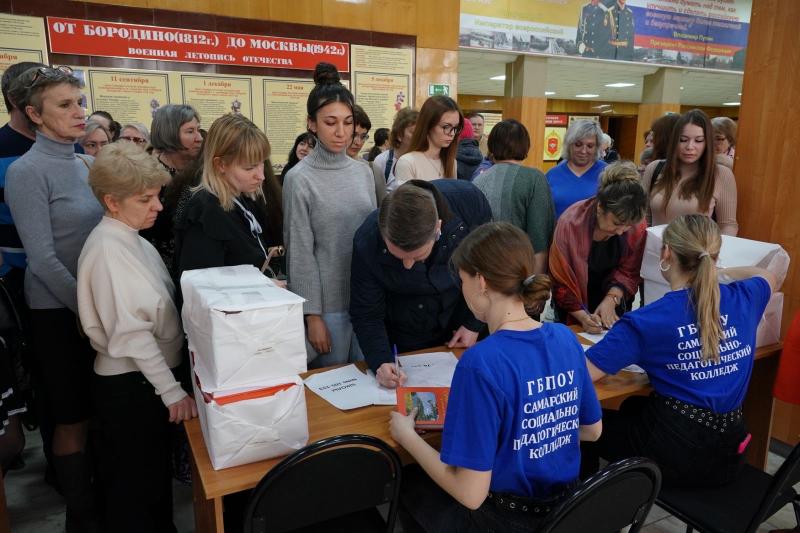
(590, 323)
(389, 376)
(607, 311)
(318, 334)
(184, 409)
(402, 427)
(463, 338)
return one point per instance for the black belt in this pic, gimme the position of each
(719, 422)
(535, 506)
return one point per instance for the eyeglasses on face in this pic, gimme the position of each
(449, 129)
(362, 136)
(50, 73)
(137, 140)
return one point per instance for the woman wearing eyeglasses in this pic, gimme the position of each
(136, 133)
(434, 145)
(54, 211)
(225, 221)
(95, 137)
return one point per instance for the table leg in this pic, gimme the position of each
(757, 409)
(207, 513)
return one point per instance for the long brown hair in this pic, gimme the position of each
(702, 184)
(695, 241)
(503, 255)
(429, 117)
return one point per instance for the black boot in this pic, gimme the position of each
(74, 476)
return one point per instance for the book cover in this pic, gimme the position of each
(431, 404)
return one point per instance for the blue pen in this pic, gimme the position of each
(396, 360)
(590, 314)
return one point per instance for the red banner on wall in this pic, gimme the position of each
(556, 120)
(113, 39)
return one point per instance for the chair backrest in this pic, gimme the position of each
(619, 495)
(327, 479)
(784, 479)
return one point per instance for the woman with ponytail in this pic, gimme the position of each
(326, 196)
(491, 474)
(697, 344)
(597, 251)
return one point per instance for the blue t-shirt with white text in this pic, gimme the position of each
(662, 338)
(566, 188)
(516, 403)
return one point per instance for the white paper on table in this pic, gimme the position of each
(344, 388)
(383, 396)
(635, 369)
(429, 369)
(585, 347)
(594, 337)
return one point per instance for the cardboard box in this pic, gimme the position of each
(244, 329)
(734, 252)
(246, 425)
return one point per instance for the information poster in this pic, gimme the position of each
(695, 33)
(21, 39)
(284, 114)
(553, 142)
(215, 96)
(489, 120)
(130, 96)
(382, 81)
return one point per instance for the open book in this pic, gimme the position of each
(431, 404)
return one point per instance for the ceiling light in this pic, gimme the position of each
(681, 88)
(587, 95)
(549, 93)
(501, 77)
(620, 85)
(731, 103)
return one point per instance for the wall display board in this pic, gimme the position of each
(553, 142)
(382, 81)
(215, 96)
(592, 118)
(284, 114)
(696, 33)
(137, 41)
(130, 96)
(21, 39)
(489, 120)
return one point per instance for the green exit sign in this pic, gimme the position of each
(438, 89)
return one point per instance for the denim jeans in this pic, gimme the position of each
(344, 345)
(424, 506)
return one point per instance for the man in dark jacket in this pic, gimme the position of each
(468, 156)
(402, 290)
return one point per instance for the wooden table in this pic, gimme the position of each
(324, 420)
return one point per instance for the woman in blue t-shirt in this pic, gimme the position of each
(520, 402)
(697, 344)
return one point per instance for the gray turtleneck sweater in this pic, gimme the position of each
(326, 197)
(54, 211)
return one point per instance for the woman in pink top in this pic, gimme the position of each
(690, 181)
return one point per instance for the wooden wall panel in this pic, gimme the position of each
(435, 66)
(530, 111)
(394, 16)
(438, 24)
(786, 423)
(766, 157)
(356, 15)
(732, 112)
(586, 107)
(645, 117)
(297, 11)
(473, 102)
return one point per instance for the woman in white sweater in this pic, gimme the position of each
(126, 306)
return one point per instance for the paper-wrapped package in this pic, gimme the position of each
(251, 424)
(243, 328)
(735, 252)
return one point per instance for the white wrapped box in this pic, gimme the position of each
(734, 252)
(243, 327)
(243, 426)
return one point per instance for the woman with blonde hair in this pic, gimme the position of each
(225, 222)
(597, 251)
(127, 309)
(490, 474)
(432, 154)
(697, 344)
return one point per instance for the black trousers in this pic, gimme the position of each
(688, 453)
(134, 454)
(424, 506)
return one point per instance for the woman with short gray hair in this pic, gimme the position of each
(577, 177)
(135, 132)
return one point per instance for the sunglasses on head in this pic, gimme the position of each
(50, 73)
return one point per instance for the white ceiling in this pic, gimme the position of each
(571, 76)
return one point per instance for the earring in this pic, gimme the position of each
(661, 266)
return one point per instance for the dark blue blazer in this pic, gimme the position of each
(419, 307)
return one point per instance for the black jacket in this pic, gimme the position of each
(420, 307)
(468, 158)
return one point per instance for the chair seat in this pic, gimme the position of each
(725, 509)
(366, 521)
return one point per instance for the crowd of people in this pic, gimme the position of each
(390, 252)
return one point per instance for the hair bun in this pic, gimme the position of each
(326, 74)
(618, 172)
